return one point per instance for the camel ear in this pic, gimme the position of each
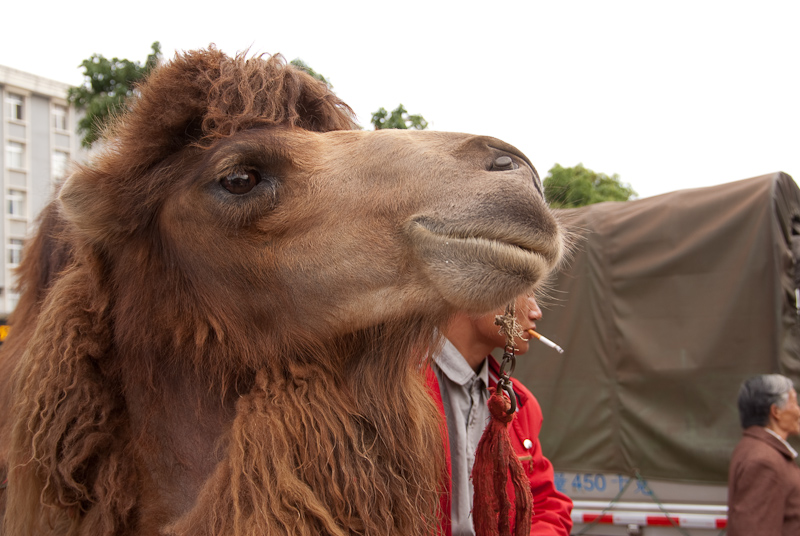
(84, 207)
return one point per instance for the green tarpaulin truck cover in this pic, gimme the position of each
(666, 306)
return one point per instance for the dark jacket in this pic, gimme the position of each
(763, 487)
(551, 508)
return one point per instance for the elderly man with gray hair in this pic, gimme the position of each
(764, 480)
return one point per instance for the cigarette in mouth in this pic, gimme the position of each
(546, 341)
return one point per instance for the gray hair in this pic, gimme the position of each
(758, 394)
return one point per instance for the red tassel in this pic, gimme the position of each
(494, 459)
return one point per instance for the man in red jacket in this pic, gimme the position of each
(462, 377)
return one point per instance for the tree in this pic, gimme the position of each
(303, 66)
(577, 186)
(106, 86)
(399, 118)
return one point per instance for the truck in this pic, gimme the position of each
(666, 305)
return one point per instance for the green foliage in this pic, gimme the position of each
(399, 118)
(303, 66)
(577, 186)
(106, 86)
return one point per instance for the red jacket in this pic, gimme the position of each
(551, 508)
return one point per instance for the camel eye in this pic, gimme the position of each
(241, 182)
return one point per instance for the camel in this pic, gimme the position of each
(225, 315)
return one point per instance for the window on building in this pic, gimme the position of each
(12, 301)
(16, 203)
(15, 106)
(15, 153)
(14, 251)
(59, 117)
(59, 164)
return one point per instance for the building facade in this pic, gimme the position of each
(38, 131)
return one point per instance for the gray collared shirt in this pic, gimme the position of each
(464, 395)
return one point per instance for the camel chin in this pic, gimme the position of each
(477, 273)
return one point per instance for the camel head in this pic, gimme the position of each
(232, 213)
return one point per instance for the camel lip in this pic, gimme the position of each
(475, 269)
(488, 236)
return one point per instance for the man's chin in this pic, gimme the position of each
(522, 348)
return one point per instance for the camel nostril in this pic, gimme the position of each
(503, 163)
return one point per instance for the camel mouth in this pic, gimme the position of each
(471, 264)
(488, 239)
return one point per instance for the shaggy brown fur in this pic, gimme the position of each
(224, 315)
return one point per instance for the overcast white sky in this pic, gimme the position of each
(668, 95)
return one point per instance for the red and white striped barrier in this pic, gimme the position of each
(702, 517)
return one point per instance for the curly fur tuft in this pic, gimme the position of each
(310, 457)
(68, 423)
